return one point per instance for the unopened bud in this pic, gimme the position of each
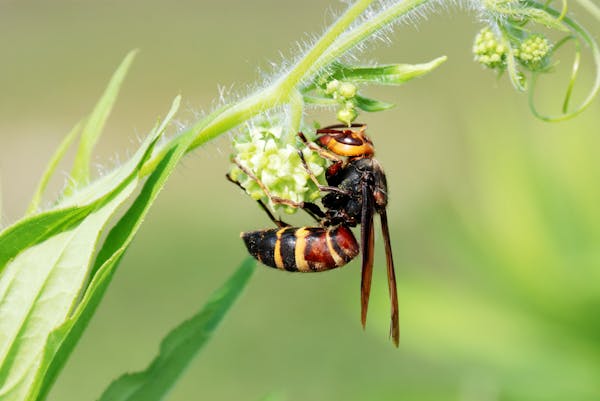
(347, 90)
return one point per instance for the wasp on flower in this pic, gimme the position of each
(356, 190)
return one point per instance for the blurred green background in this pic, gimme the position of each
(495, 216)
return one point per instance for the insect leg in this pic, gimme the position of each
(273, 198)
(322, 152)
(278, 222)
(322, 188)
(313, 211)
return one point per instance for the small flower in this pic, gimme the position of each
(488, 50)
(533, 52)
(347, 114)
(347, 90)
(277, 165)
(332, 87)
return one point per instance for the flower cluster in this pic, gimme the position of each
(488, 50)
(277, 165)
(345, 93)
(532, 51)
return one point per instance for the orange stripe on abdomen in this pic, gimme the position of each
(316, 253)
(303, 249)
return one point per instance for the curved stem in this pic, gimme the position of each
(280, 91)
(299, 71)
(574, 71)
(351, 38)
(595, 49)
(232, 115)
(332, 45)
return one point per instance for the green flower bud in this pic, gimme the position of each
(347, 90)
(488, 50)
(277, 165)
(533, 51)
(346, 115)
(332, 86)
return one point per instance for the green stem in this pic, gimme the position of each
(574, 72)
(595, 49)
(280, 91)
(231, 116)
(331, 46)
(296, 109)
(184, 137)
(351, 38)
(299, 71)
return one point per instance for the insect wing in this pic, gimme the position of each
(394, 323)
(366, 243)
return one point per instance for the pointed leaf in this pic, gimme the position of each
(539, 16)
(180, 346)
(94, 125)
(38, 290)
(69, 213)
(371, 105)
(47, 271)
(62, 340)
(322, 100)
(56, 158)
(394, 74)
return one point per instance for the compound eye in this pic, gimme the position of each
(348, 138)
(345, 141)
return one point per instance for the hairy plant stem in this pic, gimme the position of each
(296, 109)
(289, 81)
(363, 31)
(333, 44)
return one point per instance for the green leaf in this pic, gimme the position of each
(56, 158)
(49, 259)
(38, 291)
(371, 105)
(530, 11)
(62, 340)
(395, 74)
(94, 125)
(542, 17)
(36, 229)
(321, 100)
(180, 346)
(48, 263)
(70, 212)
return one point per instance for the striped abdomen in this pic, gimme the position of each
(302, 249)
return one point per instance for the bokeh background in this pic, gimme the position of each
(495, 216)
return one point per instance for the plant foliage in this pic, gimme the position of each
(56, 264)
